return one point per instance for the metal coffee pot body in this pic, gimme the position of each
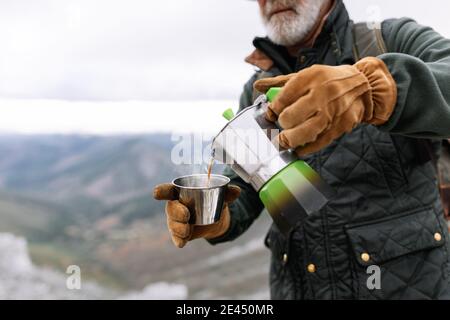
(288, 187)
(248, 144)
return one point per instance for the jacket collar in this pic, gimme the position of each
(335, 31)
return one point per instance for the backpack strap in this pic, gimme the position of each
(367, 41)
(444, 178)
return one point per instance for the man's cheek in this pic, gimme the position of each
(262, 3)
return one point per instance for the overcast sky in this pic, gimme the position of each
(141, 49)
(122, 50)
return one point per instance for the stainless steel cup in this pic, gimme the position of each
(204, 199)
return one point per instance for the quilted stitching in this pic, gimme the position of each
(404, 283)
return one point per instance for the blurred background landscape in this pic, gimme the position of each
(86, 200)
(91, 95)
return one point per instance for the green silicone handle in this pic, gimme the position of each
(273, 93)
(228, 114)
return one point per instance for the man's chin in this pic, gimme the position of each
(284, 19)
(283, 35)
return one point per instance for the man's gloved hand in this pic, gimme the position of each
(178, 216)
(321, 103)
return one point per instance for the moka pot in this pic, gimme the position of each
(288, 187)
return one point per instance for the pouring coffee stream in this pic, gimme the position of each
(288, 187)
(210, 166)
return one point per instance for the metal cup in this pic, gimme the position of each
(203, 198)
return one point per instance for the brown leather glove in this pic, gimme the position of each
(321, 103)
(178, 216)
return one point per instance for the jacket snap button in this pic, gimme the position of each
(311, 268)
(285, 258)
(437, 237)
(365, 257)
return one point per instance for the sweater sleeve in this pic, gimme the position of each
(419, 60)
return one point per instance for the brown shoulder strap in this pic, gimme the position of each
(368, 41)
(444, 177)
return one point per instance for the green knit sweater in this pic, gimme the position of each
(419, 60)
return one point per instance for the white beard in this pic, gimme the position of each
(288, 29)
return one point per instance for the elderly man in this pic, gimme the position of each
(362, 123)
